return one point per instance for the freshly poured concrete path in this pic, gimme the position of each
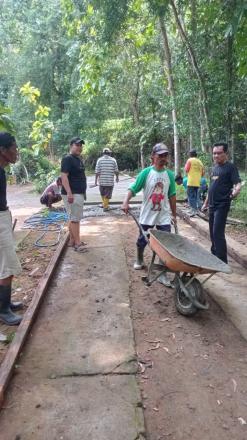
(76, 377)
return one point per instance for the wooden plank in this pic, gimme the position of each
(8, 364)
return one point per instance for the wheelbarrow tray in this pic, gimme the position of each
(180, 254)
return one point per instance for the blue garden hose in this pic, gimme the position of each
(51, 221)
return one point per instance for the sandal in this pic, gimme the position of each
(80, 248)
(82, 243)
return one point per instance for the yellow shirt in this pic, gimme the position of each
(194, 169)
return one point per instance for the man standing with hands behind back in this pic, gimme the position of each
(225, 185)
(74, 190)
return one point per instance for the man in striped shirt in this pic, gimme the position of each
(105, 170)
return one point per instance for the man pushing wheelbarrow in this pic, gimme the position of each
(159, 200)
(177, 255)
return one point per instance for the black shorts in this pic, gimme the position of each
(106, 191)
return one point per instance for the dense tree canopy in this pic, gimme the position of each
(125, 73)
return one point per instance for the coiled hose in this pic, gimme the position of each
(51, 221)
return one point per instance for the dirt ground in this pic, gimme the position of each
(192, 375)
(34, 261)
(238, 233)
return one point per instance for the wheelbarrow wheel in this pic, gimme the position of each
(183, 304)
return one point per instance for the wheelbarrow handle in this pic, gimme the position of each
(175, 227)
(142, 230)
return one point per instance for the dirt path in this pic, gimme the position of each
(194, 380)
(77, 376)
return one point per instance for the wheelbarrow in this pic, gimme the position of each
(186, 260)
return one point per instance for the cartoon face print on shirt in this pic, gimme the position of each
(157, 196)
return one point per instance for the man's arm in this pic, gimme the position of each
(173, 203)
(125, 205)
(97, 172)
(116, 171)
(236, 190)
(66, 185)
(137, 186)
(187, 166)
(236, 181)
(96, 178)
(205, 204)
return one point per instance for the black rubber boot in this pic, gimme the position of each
(139, 263)
(16, 305)
(6, 314)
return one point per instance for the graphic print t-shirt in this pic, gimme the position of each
(223, 178)
(158, 187)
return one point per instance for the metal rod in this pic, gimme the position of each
(206, 279)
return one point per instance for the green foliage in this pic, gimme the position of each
(5, 122)
(96, 69)
(44, 178)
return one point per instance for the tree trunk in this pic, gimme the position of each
(230, 81)
(196, 69)
(135, 104)
(171, 90)
(202, 126)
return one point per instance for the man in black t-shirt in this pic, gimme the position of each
(9, 263)
(74, 190)
(225, 185)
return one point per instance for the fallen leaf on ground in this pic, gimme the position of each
(153, 342)
(234, 385)
(166, 349)
(142, 368)
(155, 348)
(242, 421)
(165, 319)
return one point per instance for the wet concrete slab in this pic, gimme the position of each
(87, 311)
(93, 408)
(76, 376)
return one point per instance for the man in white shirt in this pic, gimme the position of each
(105, 170)
(159, 200)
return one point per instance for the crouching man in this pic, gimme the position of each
(159, 200)
(9, 263)
(52, 194)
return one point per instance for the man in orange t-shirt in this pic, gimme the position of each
(195, 170)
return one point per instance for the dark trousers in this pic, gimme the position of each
(142, 242)
(217, 224)
(192, 192)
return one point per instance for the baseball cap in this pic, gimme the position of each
(77, 140)
(160, 148)
(106, 150)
